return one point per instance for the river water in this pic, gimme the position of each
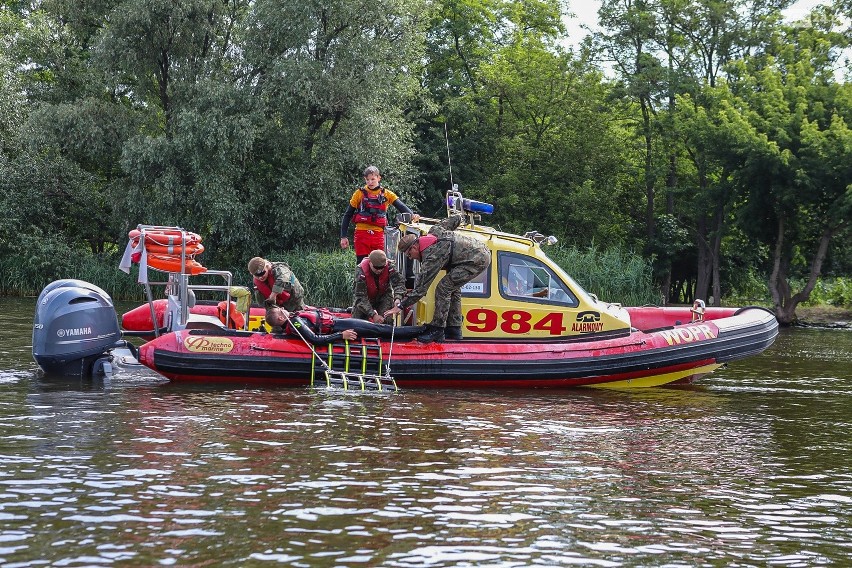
(750, 467)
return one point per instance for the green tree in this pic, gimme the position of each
(798, 181)
(464, 37)
(557, 164)
(530, 126)
(11, 95)
(662, 50)
(248, 122)
(627, 40)
(269, 112)
(333, 81)
(56, 206)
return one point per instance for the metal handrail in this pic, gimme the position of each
(181, 280)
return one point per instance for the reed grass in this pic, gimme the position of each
(613, 275)
(21, 279)
(327, 277)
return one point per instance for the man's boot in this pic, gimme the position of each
(432, 333)
(453, 332)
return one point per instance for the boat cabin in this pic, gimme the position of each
(523, 294)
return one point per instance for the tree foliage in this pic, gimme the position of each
(797, 179)
(246, 121)
(708, 134)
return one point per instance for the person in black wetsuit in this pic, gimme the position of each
(320, 326)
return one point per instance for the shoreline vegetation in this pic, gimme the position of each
(613, 275)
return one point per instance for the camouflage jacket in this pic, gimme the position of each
(286, 281)
(450, 250)
(396, 287)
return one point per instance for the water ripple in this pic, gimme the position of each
(751, 469)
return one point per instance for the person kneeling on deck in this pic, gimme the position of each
(377, 286)
(321, 326)
(277, 284)
(463, 257)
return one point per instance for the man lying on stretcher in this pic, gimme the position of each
(319, 326)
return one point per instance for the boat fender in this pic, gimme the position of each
(237, 320)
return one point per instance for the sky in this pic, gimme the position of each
(586, 13)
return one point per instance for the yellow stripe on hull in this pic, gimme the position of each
(657, 380)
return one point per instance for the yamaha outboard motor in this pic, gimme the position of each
(75, 326)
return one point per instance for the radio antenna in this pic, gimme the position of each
(449, 161)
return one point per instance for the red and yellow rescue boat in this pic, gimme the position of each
(527, 324)
(676, 353)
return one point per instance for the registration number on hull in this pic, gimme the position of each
(520, 322)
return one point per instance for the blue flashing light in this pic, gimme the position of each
(472, 206)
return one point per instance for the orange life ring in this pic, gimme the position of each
(237, 320)
(171, 238)
(170, 263)
(167, 241)
(165, 236)
(191, 250)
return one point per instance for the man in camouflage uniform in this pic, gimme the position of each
(463, 257)
(378, 286)
(277, 284)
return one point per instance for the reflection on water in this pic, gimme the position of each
(751, 467)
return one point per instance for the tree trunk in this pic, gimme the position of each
(784, 300)
(671, 187)
(716, 251)
(650, 227)
(778, 286)
(666, 287)
(704, 261)
(703, 265)
(717, 277)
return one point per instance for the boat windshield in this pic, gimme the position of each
(530, 280)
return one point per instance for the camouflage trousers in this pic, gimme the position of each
(448, 290)
(382, 304)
